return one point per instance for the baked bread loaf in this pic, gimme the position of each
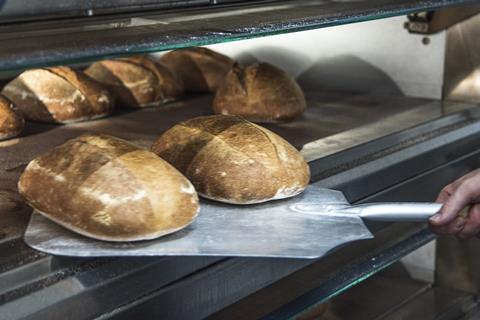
(232, 160)
(58, 95)
(201, 69)
(11, 122)
(137, 82)
(259, 92)
(106, 188)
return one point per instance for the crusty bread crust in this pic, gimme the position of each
(137, 82)
(108, 189)
(11, 122)
(261, 93)
(201, 69)
(232, 160)
(58, 95)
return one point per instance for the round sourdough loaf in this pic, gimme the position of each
(137, 82)
(232, 160)
(261, 93)
(201, 69)
(58, 95)
(106, 188)
(11, 122)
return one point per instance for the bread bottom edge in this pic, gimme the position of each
(150, 236)
(7, 136)
(72, 121)
(276, 197)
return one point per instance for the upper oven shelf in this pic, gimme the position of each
(83, 38)
(23, 10)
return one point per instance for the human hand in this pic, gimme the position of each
(460, 214)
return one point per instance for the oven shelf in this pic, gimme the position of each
(85, 38)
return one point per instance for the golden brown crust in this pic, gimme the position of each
(201, 69)
(11, 122)
(261, 93)
(58, 95)
(108, 189)
(232, 160)
(170, 86)
(138, 81)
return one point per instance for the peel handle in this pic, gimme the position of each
(396, 212)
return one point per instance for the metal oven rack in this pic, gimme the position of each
(76, 39)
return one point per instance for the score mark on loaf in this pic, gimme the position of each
(232, 160)
(106, 188)
(137, 82)
(260, 92)
(201, 69)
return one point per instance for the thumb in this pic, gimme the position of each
(457, 201)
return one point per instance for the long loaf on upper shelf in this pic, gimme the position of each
(58, 95)
(138, 81)
(201, 69)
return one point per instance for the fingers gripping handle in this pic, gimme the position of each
(397, 212)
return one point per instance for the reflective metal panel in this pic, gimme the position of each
(462, 61)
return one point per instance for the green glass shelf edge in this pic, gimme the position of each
(60, 44)
(353, 274)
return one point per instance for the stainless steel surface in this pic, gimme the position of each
(434, 21)
(462, 61)
(410, 153)
(20, 10)
(375, 297)
(356, 136)
(66, 288)
(462, 83)
(391, 295)
(463, 253)
(350, 62)
(48, 43)
(473, 314)
(434, 304)
(282, 229)
(368, 300)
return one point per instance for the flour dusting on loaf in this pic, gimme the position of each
(232, 160)
(108, 189)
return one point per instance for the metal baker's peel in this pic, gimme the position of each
(307, 226)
